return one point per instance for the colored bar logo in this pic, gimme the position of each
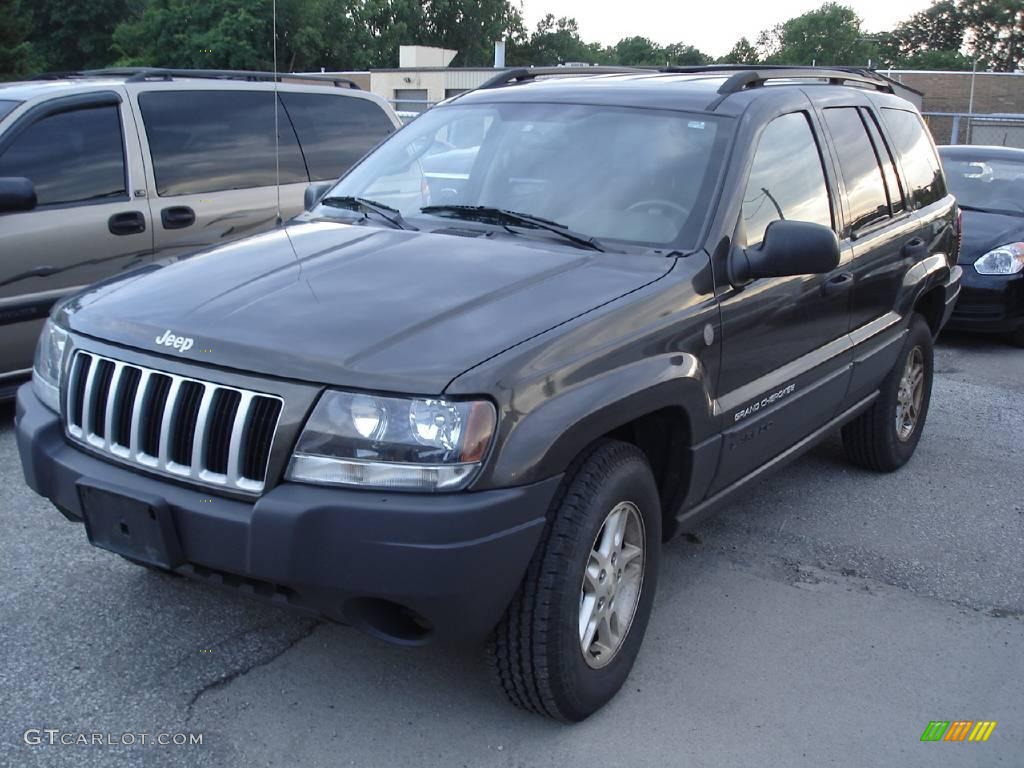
(958, 730)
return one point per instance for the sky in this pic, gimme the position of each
(711, 26)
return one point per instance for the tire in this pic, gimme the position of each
(873, 440)
(1017, 337)
(537, 651)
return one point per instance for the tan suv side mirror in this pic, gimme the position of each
(17, 194)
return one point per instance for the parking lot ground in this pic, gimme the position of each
(824, 619)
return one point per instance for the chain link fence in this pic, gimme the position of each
(965, 128)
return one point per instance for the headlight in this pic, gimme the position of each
(1004, 260)
(49, 364)
(413, 444)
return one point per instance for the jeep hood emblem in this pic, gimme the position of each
(180, 343)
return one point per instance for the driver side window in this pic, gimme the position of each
(786, 180)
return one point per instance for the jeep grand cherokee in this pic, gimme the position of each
(470, 402)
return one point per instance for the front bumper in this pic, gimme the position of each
(358, 557)
(989, 303)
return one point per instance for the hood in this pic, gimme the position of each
(984, 231)
(356, 306)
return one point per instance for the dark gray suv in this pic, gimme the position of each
(472, 402)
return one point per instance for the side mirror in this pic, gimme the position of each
(17, 194)
(789, 248)
(314, 192)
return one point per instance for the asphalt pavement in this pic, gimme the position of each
(823, 620)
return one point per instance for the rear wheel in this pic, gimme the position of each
(570, 636)
(1017, 337)
(884, 437)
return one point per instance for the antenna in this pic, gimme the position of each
(277, 134)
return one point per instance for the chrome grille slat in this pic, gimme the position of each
(174, 421)
(166, 425)
(89, 399)
(237, 430)
(140, 397)
(108, 428)
(70, 406)
(199, 439)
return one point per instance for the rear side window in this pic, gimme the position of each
(917, 154)
(335, 131)
(884, 154)
(865, 189)
(211, 141)
(71, 157)
(787, 180)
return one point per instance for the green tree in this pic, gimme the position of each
(638, 51)
(554, 41)
(341, 34)
(228, 34)
(743, 52)
(683, 55)
(469, 26)
(76, 34)
(831, 34)
(940, 27)
(16, 53)
(931, 39)
(996, 32)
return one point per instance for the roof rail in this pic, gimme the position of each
(746, 76)
(524, 74)
(140, 74)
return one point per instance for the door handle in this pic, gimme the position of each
(177, 217)
(127, 223)
(843, 281)
(914, 248)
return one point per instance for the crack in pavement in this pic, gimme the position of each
(228, 678)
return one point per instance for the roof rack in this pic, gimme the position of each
(141, 74)
(524, 74)
(745, 76)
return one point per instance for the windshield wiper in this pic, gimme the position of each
(501, 216)
(361, 205)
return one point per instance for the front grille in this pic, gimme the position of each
(208, 433)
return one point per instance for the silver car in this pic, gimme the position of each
(104, 171)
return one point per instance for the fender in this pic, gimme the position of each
(654, 348)
(581, 414)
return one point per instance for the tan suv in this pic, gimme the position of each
(103, 171)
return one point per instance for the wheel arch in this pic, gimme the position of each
(923, 290)
(667, 421)
(931, 305)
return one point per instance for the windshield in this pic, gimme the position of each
(635, 176)
(6, 106)
(992, 184)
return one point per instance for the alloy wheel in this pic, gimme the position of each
(612, 582)
(910, 395)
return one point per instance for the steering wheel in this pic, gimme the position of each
(663, 204)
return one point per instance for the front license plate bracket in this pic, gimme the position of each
(139, 528)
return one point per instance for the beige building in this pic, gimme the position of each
(422, 78)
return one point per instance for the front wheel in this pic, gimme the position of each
(570, 636)
(884, 437)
